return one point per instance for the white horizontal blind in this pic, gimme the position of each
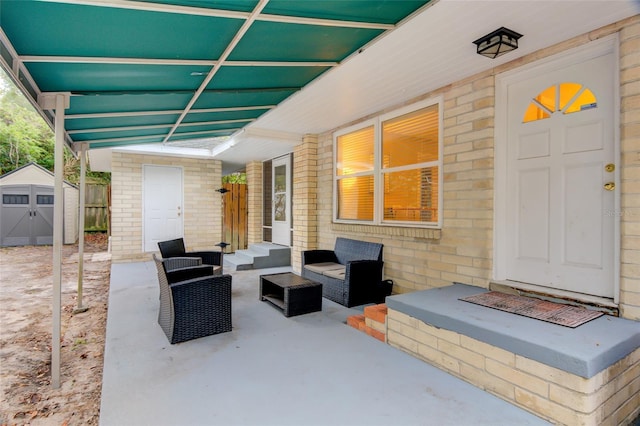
(410, 166)
(354, 170)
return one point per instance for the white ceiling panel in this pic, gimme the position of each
(434, 49)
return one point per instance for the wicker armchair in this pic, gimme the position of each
(193, 302)
(175, 248)
(351, 273)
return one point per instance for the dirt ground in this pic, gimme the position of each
(26, 395)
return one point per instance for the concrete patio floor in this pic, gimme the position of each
(270, 370)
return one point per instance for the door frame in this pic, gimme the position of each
(144, 195)
(279, 161)
(558, 61)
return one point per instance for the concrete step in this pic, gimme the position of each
(258, 256)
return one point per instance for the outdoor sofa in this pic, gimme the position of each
(351, 273)
(193, 302)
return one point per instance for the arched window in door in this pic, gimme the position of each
(566, 98)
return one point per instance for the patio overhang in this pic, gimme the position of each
(171, 72)
(180, 72)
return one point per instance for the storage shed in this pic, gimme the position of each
(26, 209)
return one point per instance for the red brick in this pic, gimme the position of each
(377, 313)
(356, 321)
(375, 333)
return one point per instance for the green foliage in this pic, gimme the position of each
(25, 137)
(238, 177)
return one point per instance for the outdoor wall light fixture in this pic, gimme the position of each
(497, 43)
(222, 244)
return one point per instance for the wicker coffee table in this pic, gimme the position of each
(291, 293)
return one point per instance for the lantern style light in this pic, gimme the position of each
(497, 43)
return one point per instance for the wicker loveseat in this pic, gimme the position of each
(193, 302)
(351, 273)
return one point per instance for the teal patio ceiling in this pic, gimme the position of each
(168, 70)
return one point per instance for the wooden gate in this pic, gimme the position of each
(234, 220)
(96, 208)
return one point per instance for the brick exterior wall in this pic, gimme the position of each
(304, 202)
(418, 259)
(610, 397)
(202, 212)
(630, 168)
(254, 201)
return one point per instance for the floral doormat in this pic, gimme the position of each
(556, 313)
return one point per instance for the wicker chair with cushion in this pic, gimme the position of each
(193, 302)
(176, 248)
(351, 273)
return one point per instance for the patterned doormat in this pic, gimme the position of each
(556, 313)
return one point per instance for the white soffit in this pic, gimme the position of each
(434, 49)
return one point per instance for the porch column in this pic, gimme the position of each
(57, 102)
(254, 202)
(83, 172)
(305, 199)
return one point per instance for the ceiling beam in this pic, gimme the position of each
(163, 112)
(286, 19)
(183, 62)
(155, 7)
(176, 137)
(220, 13)
(227, 51)
(156, 126)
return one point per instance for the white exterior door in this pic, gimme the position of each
(561, 175)
(281, 210)
(162, 192)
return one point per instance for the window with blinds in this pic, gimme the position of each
(388, 170)
(410, 160)
(355, 172)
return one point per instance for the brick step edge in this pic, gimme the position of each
(377, 313)
(358, 322)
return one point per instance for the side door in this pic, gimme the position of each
(162, 204)
(281, 206)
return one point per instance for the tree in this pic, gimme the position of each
(25, 137)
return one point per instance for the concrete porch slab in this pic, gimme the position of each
(270, 370)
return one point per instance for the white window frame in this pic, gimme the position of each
(378, 216)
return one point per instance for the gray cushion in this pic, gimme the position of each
(322, 267)
(336, 273)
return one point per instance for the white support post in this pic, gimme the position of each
(59, 102)
(83, 172)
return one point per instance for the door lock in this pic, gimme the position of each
(610, 167)
(610, 186)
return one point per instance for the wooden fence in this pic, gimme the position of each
(234, 221)
(96, 208)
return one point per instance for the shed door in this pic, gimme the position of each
(42, 215)
(27, 215)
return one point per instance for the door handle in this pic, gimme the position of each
(610, 186)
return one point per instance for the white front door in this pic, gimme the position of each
(162, 192)
(561, 175)
(281, 211)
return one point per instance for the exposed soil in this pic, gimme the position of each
(26, 282)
